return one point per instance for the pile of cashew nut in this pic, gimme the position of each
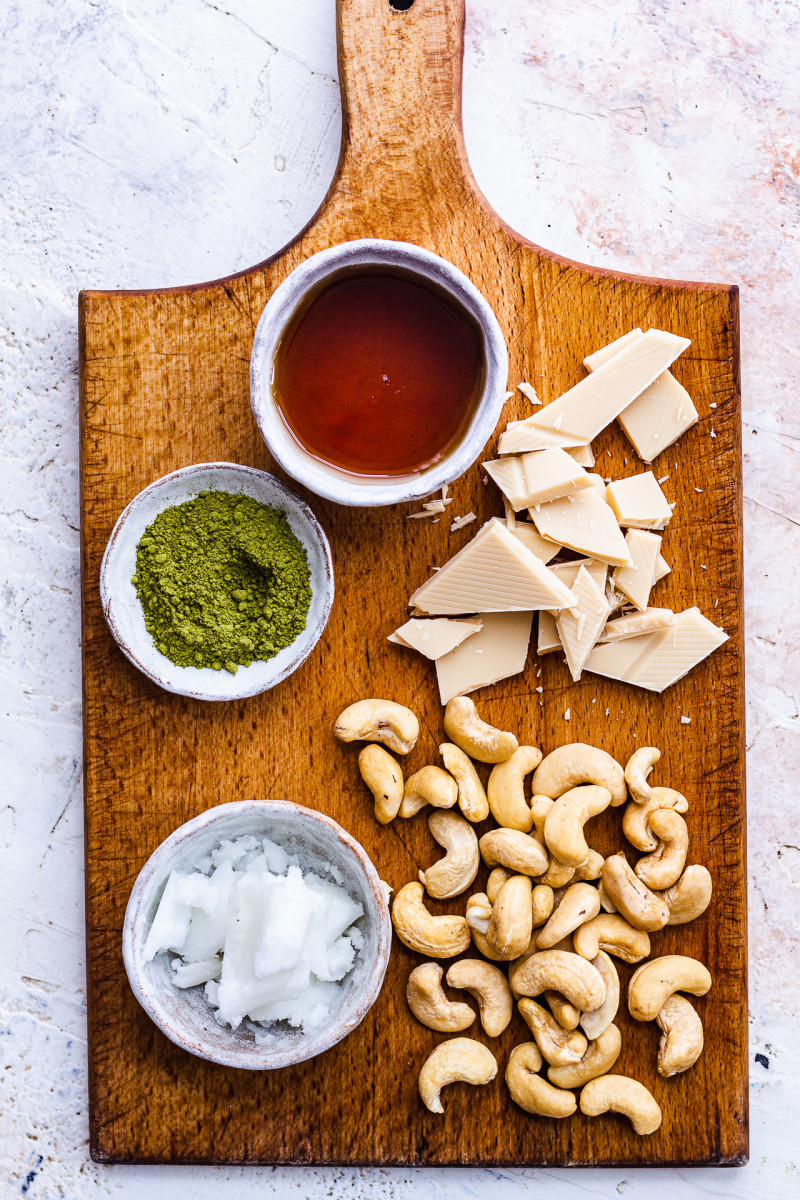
(554, 916)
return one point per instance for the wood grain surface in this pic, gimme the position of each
(164, 383)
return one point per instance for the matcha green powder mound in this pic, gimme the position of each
(223, 581)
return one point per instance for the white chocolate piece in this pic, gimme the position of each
(498, 651)
(547, 638)
(579, 627)
(635, 581)
(587, 408)
(436, 636)
(494, 572)
(537, 477)
(534, 542)
(662, 568)
(585, 523)
(600, 357)
(635, 624)
(638, 502)
(657, 660)
(583, 455)
(568, 572)
(657, 417)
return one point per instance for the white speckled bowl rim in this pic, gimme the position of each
(324, 479)
(123, 610)
(184, 1015)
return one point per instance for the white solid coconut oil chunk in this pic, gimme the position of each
(269, 942)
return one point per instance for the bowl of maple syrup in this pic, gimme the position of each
(378, 373)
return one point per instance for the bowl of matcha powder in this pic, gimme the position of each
(217, 581)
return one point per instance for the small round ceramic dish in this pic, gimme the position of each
(184, 1014)
(123, 611)
(325, 479)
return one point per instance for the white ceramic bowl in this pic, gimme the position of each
(184, 1014)
(123, 610)
(325, 479)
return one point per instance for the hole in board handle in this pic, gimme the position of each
(401, 5)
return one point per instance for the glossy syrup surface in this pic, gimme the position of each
(378, 374)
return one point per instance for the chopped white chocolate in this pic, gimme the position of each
(638, 502)
(529, 392)
(499, 650)
(568, 572)
(600, 357)
(662, 568)
(579, 627)
(635, 624)
(657, 660)
(541, 547)
(585, 523)
(511, 519)
(656, 418)
(460, 522)
(588, 407)
(547, 636)
(435, 636)
(583, 455)
(494, 572)
(691, 639)
(537, 477)
(636, 580)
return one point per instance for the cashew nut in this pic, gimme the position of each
(557, 874)
(383, 777)
(567, 1015)
(437, 937)
(479, 914)
(513, 849)
(542, 900)
(458, 1060)
(603, 1052)
(689, 897)
(595, 1023)
(477, 739)
(559, 1047)
(563, 829)
(638, 905)
(579, 903)
(428, 1003)
(529, 1090)
(511, 924)
(619, 1094)
(612, 933)
(451, 875)
(606, 903)
(506, 789)
(638, 767)
(682, 1037)
(379, 721)
(490, 988)
(556, 970)
(429, 785)
(635, 819)
(590, 868)
(663, 867)
(497, 878)
(471, 795)
(569, 766)
(654, 982)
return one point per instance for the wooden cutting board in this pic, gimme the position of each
(164, 383)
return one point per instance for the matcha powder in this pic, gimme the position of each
(223, 581)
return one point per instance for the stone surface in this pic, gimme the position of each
(175, 140)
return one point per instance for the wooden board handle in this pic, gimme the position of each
(400, 73)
